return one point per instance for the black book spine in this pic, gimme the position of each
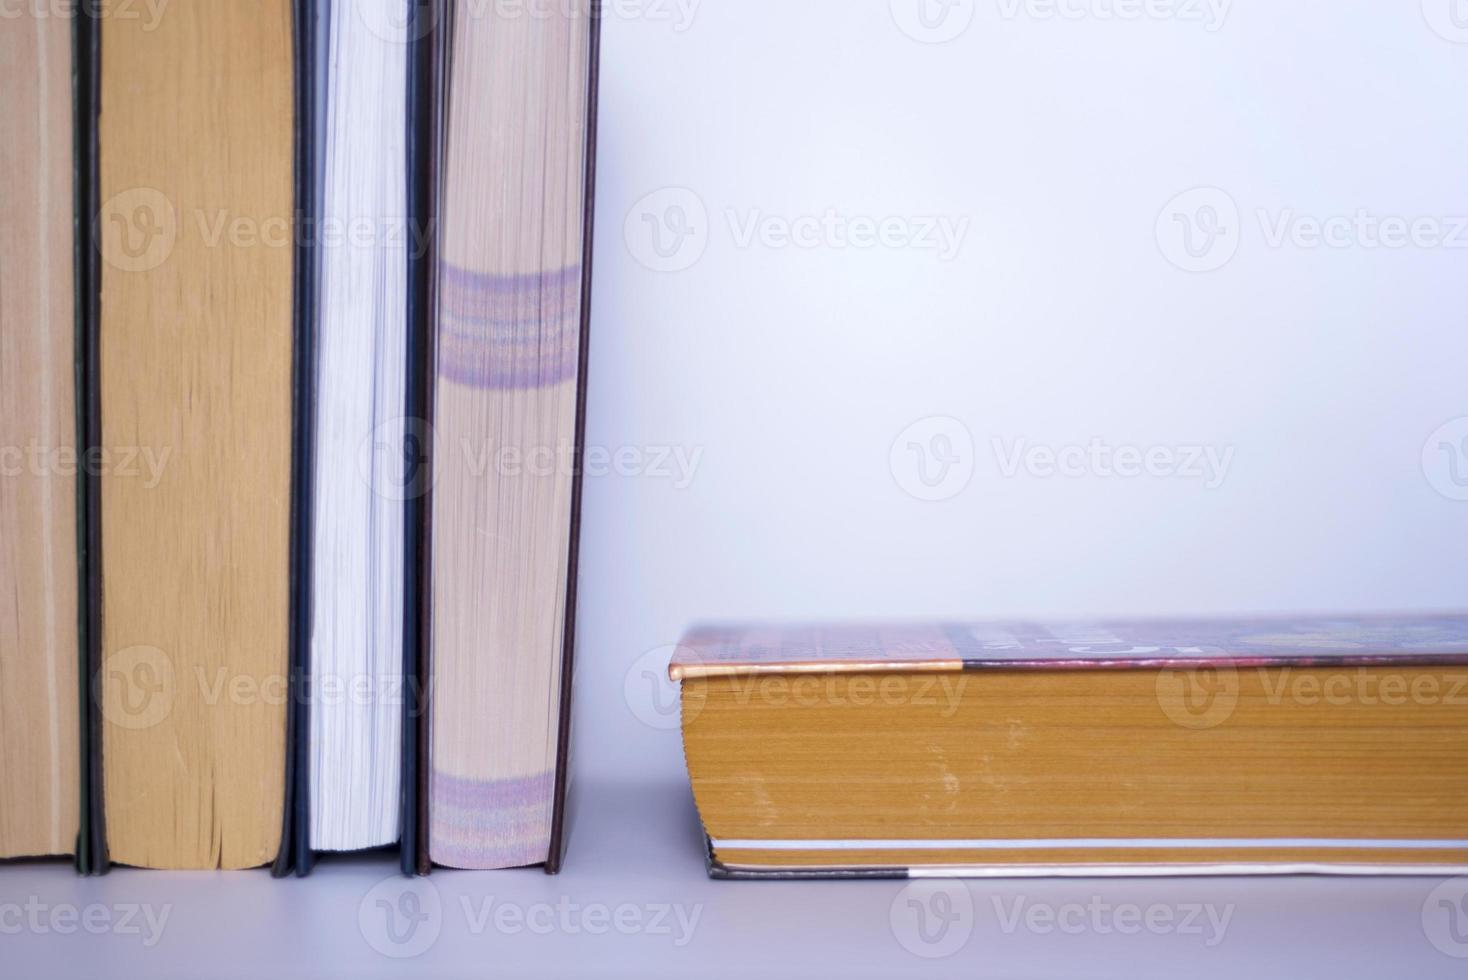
(563, 748)
(294, 853)
(425, 65)
(91, 854)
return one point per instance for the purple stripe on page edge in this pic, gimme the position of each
(457, 277)
(482, 824)
(509, 332)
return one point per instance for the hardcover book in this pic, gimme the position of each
(368, 159)
(509, 407)
(1011, 749)
(226, 659)
(193, 331)
(40, 717)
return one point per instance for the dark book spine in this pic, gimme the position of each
(425, 102)
(563, 747)
(91, 855)
(294, 853)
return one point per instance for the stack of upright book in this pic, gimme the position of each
(274, 278)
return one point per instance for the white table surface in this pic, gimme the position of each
(634, 901)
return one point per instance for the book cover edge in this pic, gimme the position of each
(556, 855)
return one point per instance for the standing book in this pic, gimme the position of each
(40, 717)
(251, 626)
(509, 408)
(193, 330)
(370, 162)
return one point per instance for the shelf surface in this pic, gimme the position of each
(634, 901)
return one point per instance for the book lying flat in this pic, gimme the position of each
(1008, 749)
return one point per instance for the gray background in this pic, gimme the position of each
(1327, 372)
(842, 400)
